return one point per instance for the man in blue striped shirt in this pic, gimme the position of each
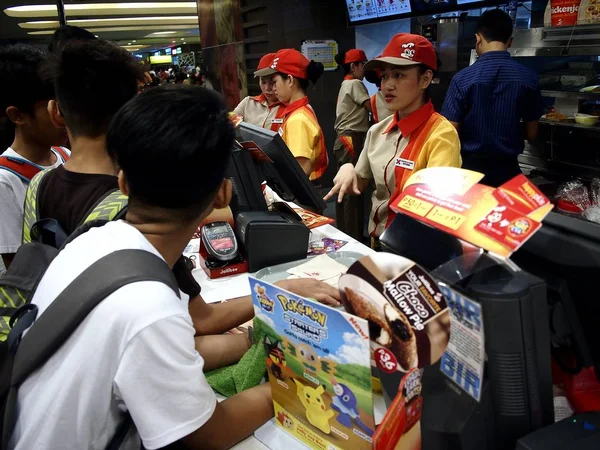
(495, 104)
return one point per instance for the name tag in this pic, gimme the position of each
(280, 131)
(405, 163)
(277, 121)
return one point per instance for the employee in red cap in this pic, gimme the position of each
(291, 72)
(263, 110)
(414, 138)
(351, 126)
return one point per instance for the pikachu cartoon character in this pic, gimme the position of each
(316, 412)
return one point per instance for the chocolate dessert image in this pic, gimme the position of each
(360, 306)
(404, 340)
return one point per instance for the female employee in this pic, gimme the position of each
(413, 138)
(351, 126)
(300, 129)
(263, 110)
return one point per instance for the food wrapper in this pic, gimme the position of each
(576, 192)
(595, 191)
(592, 214)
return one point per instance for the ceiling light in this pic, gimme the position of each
(184, 42)
(104, 9)
(42, 24)
(134, 40)
(193, 29)
(160, 33)
(172, 42)
(182, 39)
(129, 43)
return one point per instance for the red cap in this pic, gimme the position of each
(288, 61)
(406, 50)
(354, 55)
(265, 61)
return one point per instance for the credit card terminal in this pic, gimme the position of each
(219, 241)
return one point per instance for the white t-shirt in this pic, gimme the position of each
(134, 352)
(12, 197)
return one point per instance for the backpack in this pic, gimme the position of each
(20, 356)
(111, 206)
(25, 169)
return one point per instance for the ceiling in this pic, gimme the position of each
(139, 26)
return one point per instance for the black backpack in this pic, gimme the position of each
(20, 355)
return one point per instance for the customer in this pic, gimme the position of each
(300, 129)
(264, 110)
(68, 33)
(351, 126)
(494, 104)
(27, 124)
(414, 138)
(85, 104)
(134, 354)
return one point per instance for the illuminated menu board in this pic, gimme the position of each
(359, 10)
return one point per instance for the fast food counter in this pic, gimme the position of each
(567, 61)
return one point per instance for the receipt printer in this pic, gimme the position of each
(271, 238)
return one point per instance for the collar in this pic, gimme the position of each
(413, 121)
(348, 77)
(494, 54)
(262, 99)
(295, 105)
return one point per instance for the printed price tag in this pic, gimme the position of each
(415, 205)
(385, 360)
(446, 217)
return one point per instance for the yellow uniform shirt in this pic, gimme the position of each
(350, 114)
(379, 107)
(256, 111)
(396, 148)
(303, 135)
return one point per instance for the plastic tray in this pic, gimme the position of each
(277, 273)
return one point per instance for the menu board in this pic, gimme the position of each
(359, 10)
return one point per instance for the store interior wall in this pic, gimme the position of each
(373, 38)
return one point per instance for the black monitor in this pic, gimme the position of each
(247, 193)
(565, 253)
(284, 175)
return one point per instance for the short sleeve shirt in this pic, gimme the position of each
(424, 137)
(256, 111)
(490, 100)
(351, 115)
(12, 198)
(304, 137)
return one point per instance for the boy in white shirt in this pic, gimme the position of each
(24, 105)
(134, 354)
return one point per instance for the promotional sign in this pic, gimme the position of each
(408, 318)
(498, 220)
(564, 13)
(318, 364)
(464, 359)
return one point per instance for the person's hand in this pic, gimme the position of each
(311, 288)
(345, 182)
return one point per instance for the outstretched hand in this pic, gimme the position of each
(345, 182)
(311, 288)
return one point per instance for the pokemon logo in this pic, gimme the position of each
(298, 307)
(266, 304)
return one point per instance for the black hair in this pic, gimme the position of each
(67, 33)
(339, 59)
(495, 25)
(313, 73)
(372, 77)
(173, 144)
(92, 80)
(427, 92)
(180, 77)
(21, 85)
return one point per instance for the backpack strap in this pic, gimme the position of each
(22, 168)
(110, 207)
(61, 151)
(49, 332)
(31, 211)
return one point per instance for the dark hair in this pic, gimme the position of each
(20, 80)
(92, 80)
(372, 77)
(427, 92)
(313, 73)
(173, 144)
(180, 77)
(495, 25)
(67, 33)
(339, 59)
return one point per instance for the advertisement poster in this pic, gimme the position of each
(408, 318)
(565, 13)
(359, 10)
(464, 359)
(318, 364)
(498, 220)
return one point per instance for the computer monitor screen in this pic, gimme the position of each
(284, 175)
(565, 253)
(247, 194)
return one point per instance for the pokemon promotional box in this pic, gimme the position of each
(318, 360)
